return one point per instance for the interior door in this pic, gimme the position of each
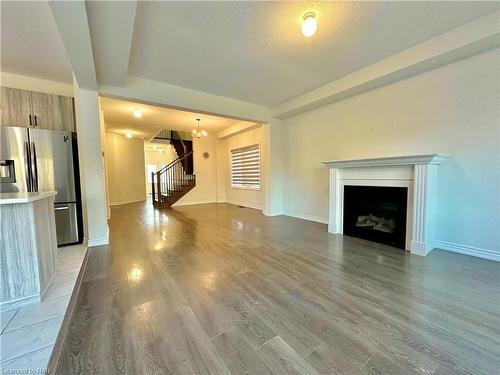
(15, 107)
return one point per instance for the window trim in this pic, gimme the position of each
(242, 187)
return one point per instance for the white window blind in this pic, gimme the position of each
(245, 167)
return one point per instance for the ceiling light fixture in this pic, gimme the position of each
(137, 113)
(197, 133)
(309, 24)
(128, 134)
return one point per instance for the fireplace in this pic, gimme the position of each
(416, 174)
(376, 213)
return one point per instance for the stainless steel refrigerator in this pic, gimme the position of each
(34, 160)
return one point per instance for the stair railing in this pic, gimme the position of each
(170, 179)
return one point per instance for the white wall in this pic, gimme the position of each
(125, 169)
(17, 81)
(205, 170)
(159, 159)
(226, 193)
(454, 109)
(102, 128)
(91, 166)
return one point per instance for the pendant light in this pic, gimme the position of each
(197, 133)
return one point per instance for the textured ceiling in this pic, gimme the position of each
(254, 51)
(119, 119)
(30, 42)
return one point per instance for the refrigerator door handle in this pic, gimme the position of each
(34, 167)
(61, 208)
(27, 159)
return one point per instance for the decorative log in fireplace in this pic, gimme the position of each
(376, 213)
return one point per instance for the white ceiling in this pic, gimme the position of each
(119, 118)
(254, 51)
(30, 42)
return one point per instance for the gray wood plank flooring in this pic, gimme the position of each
(218, 289)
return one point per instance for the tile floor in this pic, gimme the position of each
(28, 333)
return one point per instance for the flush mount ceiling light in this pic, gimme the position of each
(197, 133)
(137, 113)
(128, 134)
(309, 24)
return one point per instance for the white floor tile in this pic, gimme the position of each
(30, 338)
(39, 312)
(29, 333)
(66, 276)
(59, 289)
(32, 363)
(5, 318)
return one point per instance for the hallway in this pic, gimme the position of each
(221, 289)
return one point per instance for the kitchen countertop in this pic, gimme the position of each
(13, 198)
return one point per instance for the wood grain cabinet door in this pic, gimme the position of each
(54, 112)
(67, 113)
(15, 107)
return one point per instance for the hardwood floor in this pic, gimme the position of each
(218, 289)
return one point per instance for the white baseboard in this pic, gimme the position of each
(419, 248)
(468, 250)
(190, 203)
(243, 204)
(98, 241)
(332, 228)
(308, 217)
(15, 304)
(126, 202)
(271, 214)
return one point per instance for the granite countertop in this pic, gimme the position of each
(13, 198)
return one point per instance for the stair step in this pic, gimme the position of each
(173, 195)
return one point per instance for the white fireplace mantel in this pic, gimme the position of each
(418, 173)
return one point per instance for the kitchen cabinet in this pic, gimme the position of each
(36, 109)
(15, 107)
(54, 112)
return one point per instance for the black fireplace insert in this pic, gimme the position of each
(376, 213)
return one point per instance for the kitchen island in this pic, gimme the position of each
(28, 247)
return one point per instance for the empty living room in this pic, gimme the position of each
(250, 187)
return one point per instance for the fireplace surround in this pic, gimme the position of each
(417, 173)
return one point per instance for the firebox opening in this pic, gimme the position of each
(376, 213)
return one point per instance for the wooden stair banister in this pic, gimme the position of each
(172, 182)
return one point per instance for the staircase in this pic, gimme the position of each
(181, 143)
(183, 147)
(173, 181)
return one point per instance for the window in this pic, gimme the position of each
(245, 167)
